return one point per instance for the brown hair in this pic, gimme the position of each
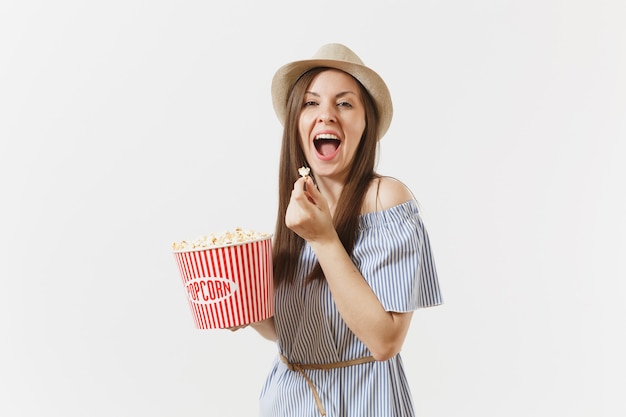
(287, 245)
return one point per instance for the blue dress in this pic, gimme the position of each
(393, 253)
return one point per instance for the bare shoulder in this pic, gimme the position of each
(392, 192)
(386, 192)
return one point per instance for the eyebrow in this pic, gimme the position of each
(338, 95)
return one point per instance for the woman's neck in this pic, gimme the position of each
(331, 190)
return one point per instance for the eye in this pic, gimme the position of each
(344, 104)
(309, 103)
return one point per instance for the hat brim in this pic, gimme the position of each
(287, 75)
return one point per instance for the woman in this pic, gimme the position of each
(352, 259)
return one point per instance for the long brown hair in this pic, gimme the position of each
(287, 245)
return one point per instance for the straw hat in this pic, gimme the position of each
(337, 56)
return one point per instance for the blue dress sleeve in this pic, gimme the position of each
(394, 256)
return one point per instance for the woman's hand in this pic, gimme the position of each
(308, 213)
(234, 329)
(265, 328)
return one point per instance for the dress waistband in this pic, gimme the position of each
(300, 367)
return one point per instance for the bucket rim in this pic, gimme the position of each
(227, 245)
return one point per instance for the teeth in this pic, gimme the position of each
(326, 136)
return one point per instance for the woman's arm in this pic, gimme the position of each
(266, 328)
(381, 331)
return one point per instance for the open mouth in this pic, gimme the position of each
(326, 144)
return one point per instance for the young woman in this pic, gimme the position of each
(352, 259)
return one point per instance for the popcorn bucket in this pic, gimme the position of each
(230, 285)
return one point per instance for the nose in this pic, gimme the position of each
(327, 113)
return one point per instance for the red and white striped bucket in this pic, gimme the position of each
(230, 285)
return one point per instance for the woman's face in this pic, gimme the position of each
(331, 123)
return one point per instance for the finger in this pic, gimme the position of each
(299, 184)
(301, 187)
(310, 185)
(235, 328)
(310, 190)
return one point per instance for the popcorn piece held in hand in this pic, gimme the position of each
(304, 171)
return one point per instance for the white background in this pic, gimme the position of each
(127, 125)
